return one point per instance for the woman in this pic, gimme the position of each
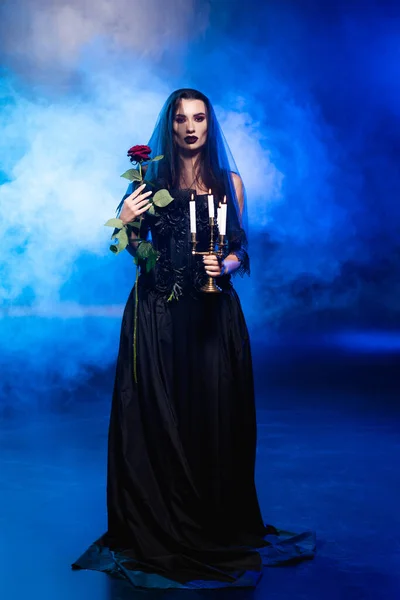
(182, 504)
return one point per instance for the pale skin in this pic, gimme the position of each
(190, 122)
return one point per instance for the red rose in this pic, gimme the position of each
(139, 153)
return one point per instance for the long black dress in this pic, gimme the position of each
(182, 504)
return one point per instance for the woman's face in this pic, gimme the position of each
(190, 124)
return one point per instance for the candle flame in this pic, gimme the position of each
(224, 199)
(192, 197)
(209, 191)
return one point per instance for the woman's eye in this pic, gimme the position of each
(200, 119)
(179, 119)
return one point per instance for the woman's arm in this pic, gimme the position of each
(132, 246)
(135, 204)
(231, 263)
(239, 189)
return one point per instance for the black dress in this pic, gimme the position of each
(182, 504)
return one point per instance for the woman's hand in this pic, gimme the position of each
(215, 268)
(212, 266)
(134, 205)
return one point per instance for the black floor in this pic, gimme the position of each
(328, 456)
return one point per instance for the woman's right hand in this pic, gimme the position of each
(134, 205)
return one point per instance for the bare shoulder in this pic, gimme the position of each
(239, 189)
(236, 179)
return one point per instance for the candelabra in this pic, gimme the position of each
(210, 287)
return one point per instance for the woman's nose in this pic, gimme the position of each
(190, 127)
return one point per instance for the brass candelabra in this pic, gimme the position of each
(210, 287)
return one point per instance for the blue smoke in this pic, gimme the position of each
(308, 98)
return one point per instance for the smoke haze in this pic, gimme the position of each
(309, 104)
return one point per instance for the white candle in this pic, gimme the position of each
(222, 219)
(192, 208)
(210, 204)
(219, 217)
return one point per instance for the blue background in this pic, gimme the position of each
(318, 85)
(307, 94)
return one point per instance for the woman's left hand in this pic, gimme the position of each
(212, 266)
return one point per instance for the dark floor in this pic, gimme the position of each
(328, 456)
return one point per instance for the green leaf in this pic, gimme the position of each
(157, 157)
(117, 223)
(123, 241)
(151, 260)
(122, 238)
(144, 249)
(162, 198)
(135, 225)
(152, 210)
(147, 254)
(132, 175)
